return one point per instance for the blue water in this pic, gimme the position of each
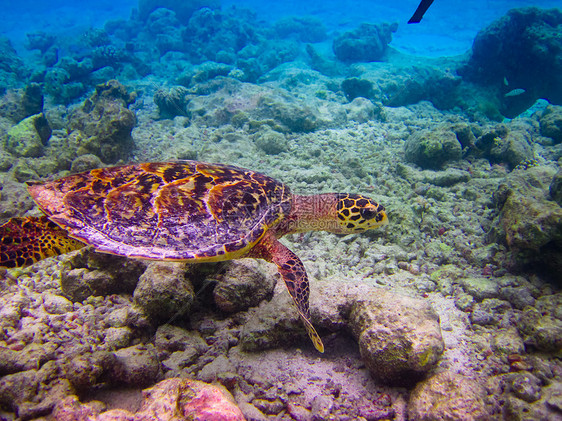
(448, 27)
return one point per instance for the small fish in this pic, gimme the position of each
(505, 81)
(422, 8)
(515, 92)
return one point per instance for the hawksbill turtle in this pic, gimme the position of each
(183, 211)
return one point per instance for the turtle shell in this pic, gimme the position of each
(185, 210)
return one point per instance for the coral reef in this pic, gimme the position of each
(171, 102)
(216, 36)
(516, 49)
(305, 28)
(40, 40)
(103, 125)
(366, 43)
(183, 9)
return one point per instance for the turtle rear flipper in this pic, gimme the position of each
(24, 241)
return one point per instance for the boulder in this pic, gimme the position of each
(90, 273)
(305, 28)
(508, 342)
(11, 63)
(39, 40)
(273, 324)
(270, 141)
(17, 104)
(85, 163)
(29, 137)
(541, 331)
(366, 43)
(243, 286)
(294, 116)
(431, 149)
(448, 396)
(171, 102)
(551, 123)
(399, 337)
(555, 187)
(183, 9)
(362, 110)
(528, 222)
(501, 145)
(479, 288)
(171, 399)
(163, 291)
(358, 88)
(135, 366)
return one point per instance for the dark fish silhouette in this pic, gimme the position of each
(422, 8)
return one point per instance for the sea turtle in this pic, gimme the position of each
(184, 211)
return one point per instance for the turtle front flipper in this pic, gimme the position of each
(24, 241)
(294, 274)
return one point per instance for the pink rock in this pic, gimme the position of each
(175, 399)
(299, 412)
(70, 409)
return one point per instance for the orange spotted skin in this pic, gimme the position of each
(167, 211)
(24, 241)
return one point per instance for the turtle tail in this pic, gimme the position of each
(24, 241)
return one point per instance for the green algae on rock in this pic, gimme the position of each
(551, 123)
(449, 396)
(242, 286)
(270, 325)
(271, 141)
(103, 125)
(528, 222)
(541, 331)
(399, 337)
(87, 274)
(433, 148)
(164, 291)
(29, 137)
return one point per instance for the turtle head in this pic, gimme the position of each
(357, 213)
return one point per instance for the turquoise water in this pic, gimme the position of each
(448, 28)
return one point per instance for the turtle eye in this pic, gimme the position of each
(368, 213)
